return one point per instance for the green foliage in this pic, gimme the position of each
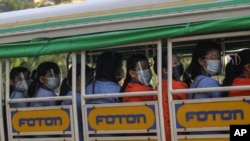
(26, 4)
(17, 4)
(32, 62)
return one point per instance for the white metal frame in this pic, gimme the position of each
(73, 118)
(145, 93)
(2, 132)
(196, 90)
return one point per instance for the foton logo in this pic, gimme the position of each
(122, 117)
(212, 114)
(41, 120)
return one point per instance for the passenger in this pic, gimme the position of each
(66, 89)
(237, 73)
(137, 78)
(46, 81)
(176, 84)
(19, 82)
(108, 66)
(206, 62)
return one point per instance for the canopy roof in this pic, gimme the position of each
(91, 25)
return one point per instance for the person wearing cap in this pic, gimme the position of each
(237, 73)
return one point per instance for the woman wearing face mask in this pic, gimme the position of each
(206, 62)
(47, 79)
(19, 82)
(137, 78)
(108, 66)
(237, 73)
(176, 84)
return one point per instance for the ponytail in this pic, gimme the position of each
(126, 81)
(34, 86)
(64, 89)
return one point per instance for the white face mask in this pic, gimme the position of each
(53, 83)
(21, 86)
(145, 76)
(213, 67)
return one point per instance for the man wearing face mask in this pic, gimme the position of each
(137, 78)
(19, 82)
(46, 81)
(206, 62)
(176, 84)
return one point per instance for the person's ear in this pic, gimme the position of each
(165, 71)
(42, 79)
(12, 83)
(201, 61)
(248, 67)
(132, 73)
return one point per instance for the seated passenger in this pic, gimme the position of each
(66, 89)
(46, 81)
(237, 73)
(108, 65)
(137, 78)
(206, 62)
(176, 84)
(19, 82)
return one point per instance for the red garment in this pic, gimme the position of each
(175, 85)
(137, 87)
(240, 82)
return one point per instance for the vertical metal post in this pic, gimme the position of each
(7, 98)
(159, 94)
(170, 96)
(74, 102)
(223, 49)
(83, 102)
(1, 109)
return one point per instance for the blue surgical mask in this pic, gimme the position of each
(21, 86)
(53, 83)
(145, 76)
(213, 67)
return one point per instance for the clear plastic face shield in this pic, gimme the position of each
(54, 79)
(22, 82)
(144, 74)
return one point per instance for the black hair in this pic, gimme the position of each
(201, 50)
(33, 74)
(66, 85)
(15, 72)
(107, 65)
(41, 71)
(131, 64)
(235, 67)
(164, 60)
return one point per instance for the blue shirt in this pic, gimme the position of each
(79, 111)
(102, 87)
(44, 93)
(202, 81)
(18, 95)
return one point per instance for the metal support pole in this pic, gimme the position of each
(160, 105)
(74, 104)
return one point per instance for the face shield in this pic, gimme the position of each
(144, 75)
(21, 82)
(53, 79)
